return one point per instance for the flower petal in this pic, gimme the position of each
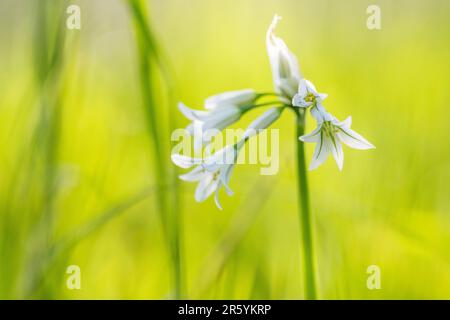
(225, 176)
(299, 101)
(287, 87)
(336, 151)
(283, 62)
(320, 113)
(237, 97)
(310, 87)
(194, 175)
(185, 162)
(321, 152)
(263, 122)
(353, 139)
(345, 124)
(216, 199)
(303, 88)
(191, 114)
(222, 117)
(206, 187)
(224, 156)
(322, 96)
(314, 136)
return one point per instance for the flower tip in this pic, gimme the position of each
(184, 177)
(216, 200)
(181, 105)
(296, 100)
(274, 23)
(182, 161)
(185, 110)
(369, 145)
(175, 157)
(198, 197)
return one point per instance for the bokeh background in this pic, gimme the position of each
(85, 171)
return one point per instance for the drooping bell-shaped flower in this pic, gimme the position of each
(263, 122)
(329, 136)
(219, 118)
(285, 70)
(211, 173)
(222, 110)
(242, 98)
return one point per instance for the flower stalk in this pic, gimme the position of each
(305, 218)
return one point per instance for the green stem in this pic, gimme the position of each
(306, 223)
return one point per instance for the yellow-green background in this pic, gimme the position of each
(76, 150)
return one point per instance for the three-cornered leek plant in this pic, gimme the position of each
(292, 91)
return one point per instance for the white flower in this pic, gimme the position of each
(285, 70)
(202, 121)
(328, 135)
(211, 173)
(241, 98)
(307, 95)
(219, 118)
(263, 122)
(222, 110)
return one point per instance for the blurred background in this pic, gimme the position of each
(85, 171)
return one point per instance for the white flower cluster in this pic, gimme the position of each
(222, 110)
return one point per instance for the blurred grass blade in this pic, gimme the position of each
(43, 156)
(169, 210)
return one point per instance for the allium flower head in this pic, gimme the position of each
(292, 91)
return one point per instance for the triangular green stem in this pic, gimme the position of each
(306, 221)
